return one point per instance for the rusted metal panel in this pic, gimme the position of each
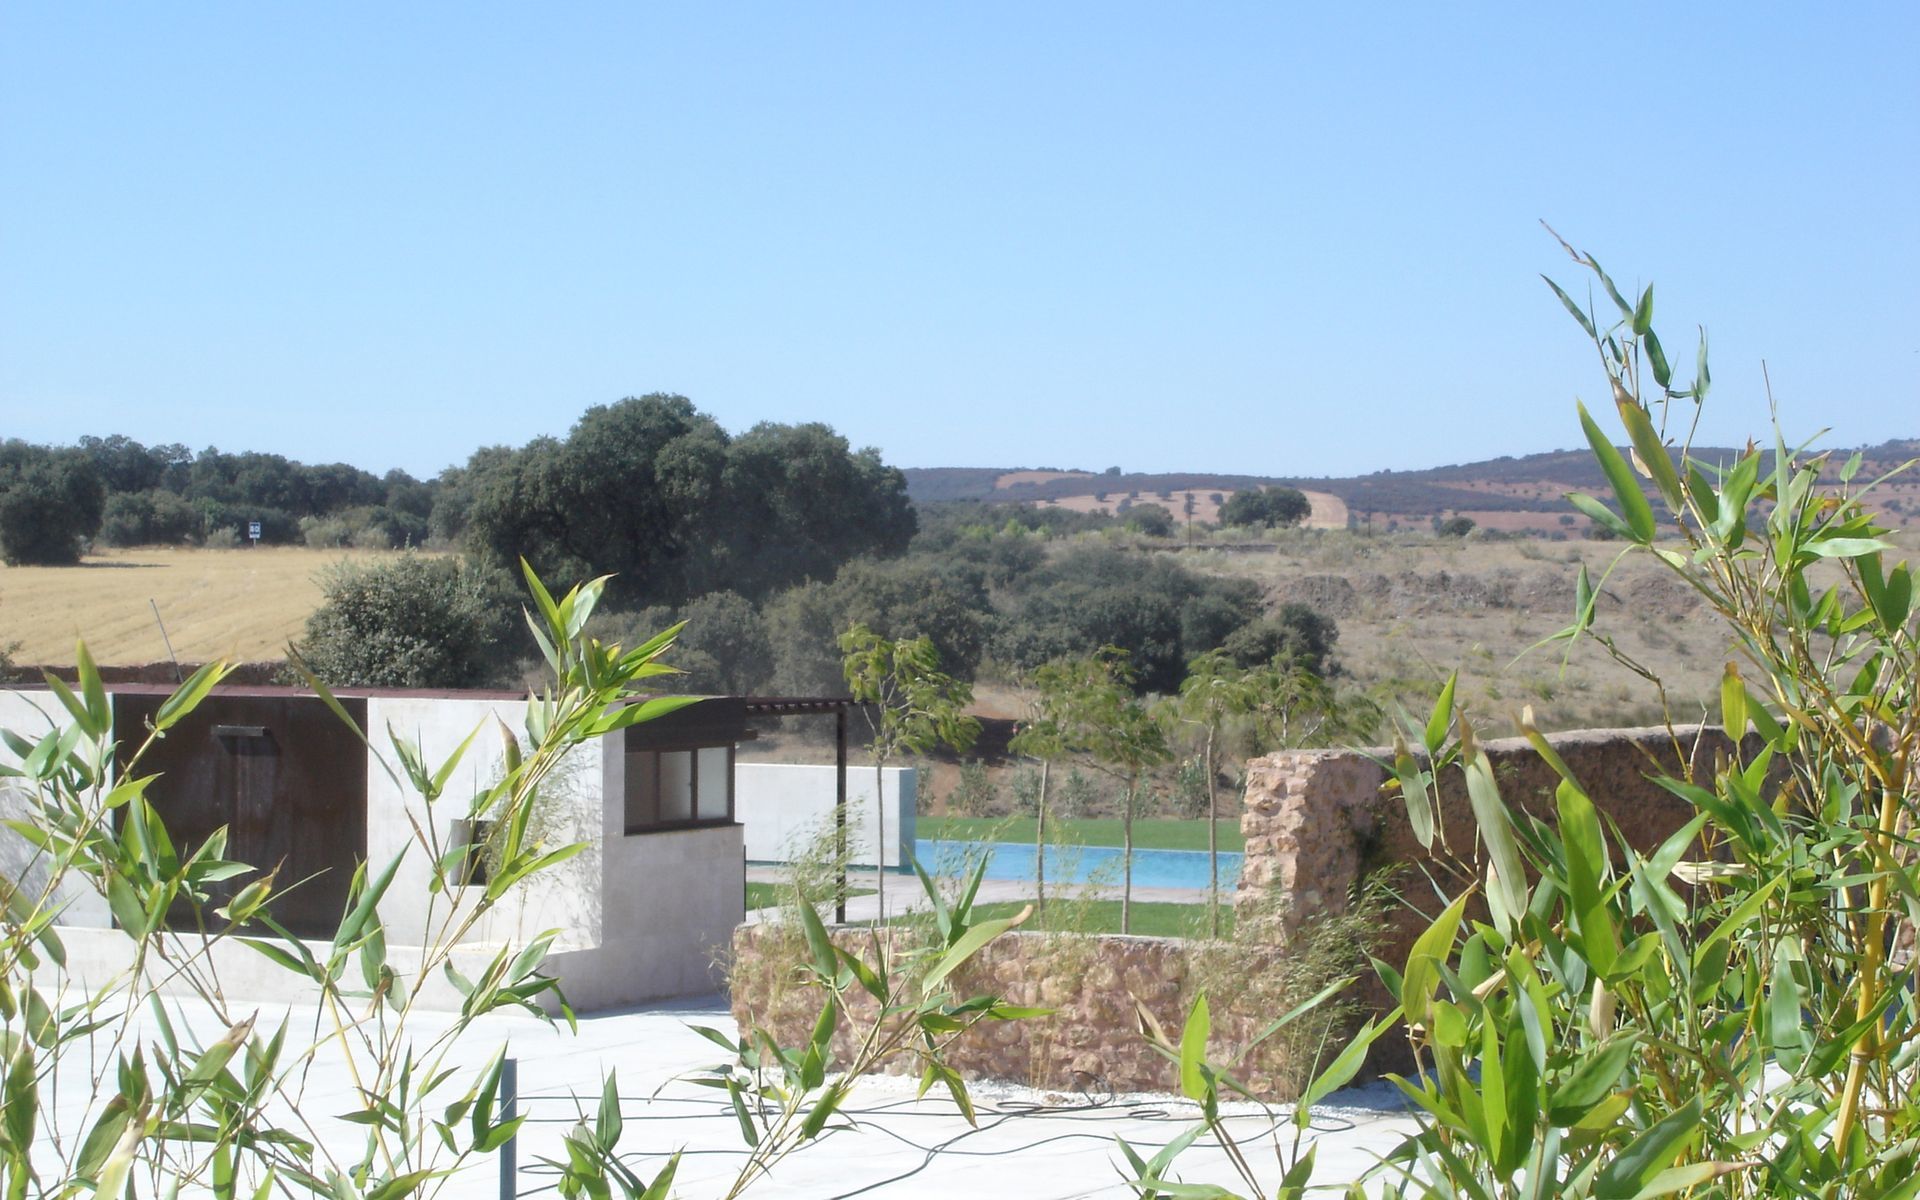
(283, 774)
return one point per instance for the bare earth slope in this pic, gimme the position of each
(1411, 608)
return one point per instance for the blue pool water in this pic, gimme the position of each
(1077, 864)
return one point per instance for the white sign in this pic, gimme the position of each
(253, 530)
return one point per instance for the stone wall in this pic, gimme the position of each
(1092, 1040)
(1320, 827)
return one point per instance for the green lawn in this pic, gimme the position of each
(772, 895)
(1148, 834)
(1153, 919)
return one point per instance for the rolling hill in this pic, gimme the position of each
(1514, 494)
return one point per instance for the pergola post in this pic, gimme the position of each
(840, 811)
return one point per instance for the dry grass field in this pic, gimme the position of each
(1329, 510)
(239, 604)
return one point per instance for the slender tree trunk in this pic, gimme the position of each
(880, 836)
(1213, 845)
(1126, 861)
(1040, 843)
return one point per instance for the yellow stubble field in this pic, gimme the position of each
(245, 605)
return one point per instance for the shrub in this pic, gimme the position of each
(1159, 612)
(151, 518)
(1078, 796)
(974, 795)
(51, 503)
(1026, 791)
(338, 531)
(1266, 507)
(411, 621)
(1296, 633)
(1150, 519)
(1188, 796)
(226, 523)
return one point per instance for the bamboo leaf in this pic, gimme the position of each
(1657, 359)
(1653, 455)
(1506, 875)
(99, 711)
(1441, 717)
(1579, 314)
(1733, 702)
(1431, 949)
(970, 944)
(1600, 515)
(1631, 1171)
(1345, 1065)
(1634, 508)
(1193, 1050)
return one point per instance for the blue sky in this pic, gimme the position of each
(1267, 238)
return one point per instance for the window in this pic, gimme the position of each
(471, 836)
(669, 789)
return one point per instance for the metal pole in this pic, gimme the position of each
(840, 811)
(510, 1152)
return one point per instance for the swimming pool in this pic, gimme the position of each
(1077, 864)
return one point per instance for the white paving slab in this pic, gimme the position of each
(1047, 1146)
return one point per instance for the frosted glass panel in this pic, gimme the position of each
(716, 782)
(676, 786)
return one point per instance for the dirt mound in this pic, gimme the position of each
(1333, 595)
(1657, 598)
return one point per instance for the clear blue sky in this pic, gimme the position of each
(1278, 239)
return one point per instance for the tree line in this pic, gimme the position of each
(57, 501)
(771, 543)
(998, 592)
(649, 489)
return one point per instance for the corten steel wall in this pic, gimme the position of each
(1319, 827)
(284, 776)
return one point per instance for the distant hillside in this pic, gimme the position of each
(1513, 493)
(929, 485)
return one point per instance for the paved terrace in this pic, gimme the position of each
(1047, 1146)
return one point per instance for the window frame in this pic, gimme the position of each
(653, 755)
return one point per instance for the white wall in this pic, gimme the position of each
(783, 805)
(32, 714)
(639, 918)
(669, 902)
(569, 812)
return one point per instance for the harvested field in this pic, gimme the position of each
(1013, 479)
(245, 605)
(1329, 511)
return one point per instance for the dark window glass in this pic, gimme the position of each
(670, 788)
